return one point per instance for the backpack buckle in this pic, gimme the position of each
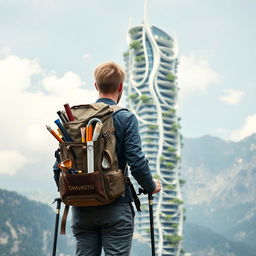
(108, 132)
(105, 134)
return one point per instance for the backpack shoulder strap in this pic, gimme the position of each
(116, 108)
(96, 106)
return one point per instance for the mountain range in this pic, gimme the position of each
(220, 191)
(26, 227)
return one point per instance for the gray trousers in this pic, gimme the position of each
(109, 226)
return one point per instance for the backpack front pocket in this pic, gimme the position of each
(75, 189)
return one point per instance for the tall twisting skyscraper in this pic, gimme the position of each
(151, 90)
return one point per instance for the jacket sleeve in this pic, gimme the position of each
(135, 157)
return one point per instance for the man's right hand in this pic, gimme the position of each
(158, 186)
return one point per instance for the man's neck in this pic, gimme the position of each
(108, 96)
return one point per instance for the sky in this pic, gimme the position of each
(49, 49)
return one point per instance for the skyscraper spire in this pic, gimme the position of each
(146, 12)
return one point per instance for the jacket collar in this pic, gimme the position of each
(106, 100)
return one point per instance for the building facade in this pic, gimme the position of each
(151, 94)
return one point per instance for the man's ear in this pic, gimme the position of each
(120, 87)
(96, 86)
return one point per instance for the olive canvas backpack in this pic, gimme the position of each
(79, 186)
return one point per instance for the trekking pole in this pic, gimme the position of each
(58, 200)
(150, 205)
(151, 217)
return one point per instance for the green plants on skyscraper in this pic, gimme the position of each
(168, 217)
(126, 54)
(161, 158)
(174, 225)
(172, 110)
(156, 176)
(133, 96)
(175, 201)
(135, 45)
(173, 238)
(175, 127)
(165, 114)
(171, 149)
(170, 165)
(169, 113)
(169, 187)
(139, 58)
(176, 157)
(170, 77)
(182, 181)
(152, 126)
(133, 32)
(173, 90)
(182, 251)
(145, 99)
(181, 140)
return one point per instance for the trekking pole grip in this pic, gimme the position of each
(58, 200)
(150, 198)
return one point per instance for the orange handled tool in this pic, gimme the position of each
(88, 133)
(54, 134)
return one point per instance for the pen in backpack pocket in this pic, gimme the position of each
(69, 112)
(63, 131)
(62, 116)
(54, 134)
(82, 129)
(59, 133)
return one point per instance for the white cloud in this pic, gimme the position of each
(15, 74)
(232, 97)
(195, 74)
(5, 51)
(69, 84)
(11, 161)
(25, 112)
(247, 129)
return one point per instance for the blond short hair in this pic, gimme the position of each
(108, 76)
